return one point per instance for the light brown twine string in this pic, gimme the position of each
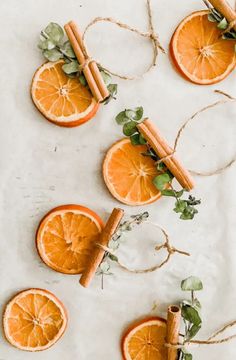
(209, 341)
(151, 35)
(166, 245)
(229, 98)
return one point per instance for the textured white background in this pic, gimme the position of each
(42, 166)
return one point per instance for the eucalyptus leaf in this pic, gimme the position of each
(135, 139)
(193, 331)
(46, 44)
(68, 50)
(188, 356)
(106, 77)
(192, 283)
(160, 181)
(142, 140)
(129, 128)
(71, 68)
(54, 32)
(112, 88)
(52, 55)
(180, 206)
(191, 314)
(212, 18)
(82, 80)
(223, 24)
(113, 257)
(121, 118)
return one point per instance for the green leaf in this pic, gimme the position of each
(106, 77)
(113, 257)
(188, 213)
(161, 166)
(188, 356)
(223, 24)
(54, 32)
(193, 331)
(112, 88)
(104, 268)
(121, 118)
(52, 55)
(135, 139)
(192, 283)
(173, 193)
(142, 140)
(46, 44)
(160, 181)
(191, 314)
(68, 50)
(71, 68)
(129, 128)
(212, 18)
(82, 80)
(134, 114)
(114, 245)
(180, 206)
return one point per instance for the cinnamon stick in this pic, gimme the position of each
(173, 325)
(98, 253)
(225, 9)
(90, 70)
(151, 133)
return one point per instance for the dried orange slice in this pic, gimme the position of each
(62, 100)
(129, 175)
(199, 52)
(34, 320)
(145, 340)
(66, 236)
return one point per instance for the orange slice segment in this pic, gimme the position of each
(66, 236)
(199, 52)
(62, 100)
(145, 340)
(129, 175)
(34, 320)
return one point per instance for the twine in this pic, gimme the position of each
(209, 341)
(151, 35)
(166, 245)
(228, 99)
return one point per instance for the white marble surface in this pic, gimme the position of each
(42, 166)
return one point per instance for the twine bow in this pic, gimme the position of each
(151, 35)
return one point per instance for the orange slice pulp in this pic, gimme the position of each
(66, 236)
(199, 52)
(145, 340)
(62, 100)
(129, 175)
(34, 320)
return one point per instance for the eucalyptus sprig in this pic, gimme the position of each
(190, 312)
(116, 239)
(54, 47)
(129, 119)
(222, 23)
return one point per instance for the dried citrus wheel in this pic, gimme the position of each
(145, 340)
(199, 52)
(129, 174)
(66, 236)
(62, 100)
(34, 320)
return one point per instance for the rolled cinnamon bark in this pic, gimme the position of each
(173, 325)
(225, 9)
(90, 70)
(98, 253)
(151, 133)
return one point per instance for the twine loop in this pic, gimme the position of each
(228, 98)
(166, 245)
(151, 35)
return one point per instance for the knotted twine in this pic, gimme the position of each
(228, 99)
(166, 245)
(151, 35)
